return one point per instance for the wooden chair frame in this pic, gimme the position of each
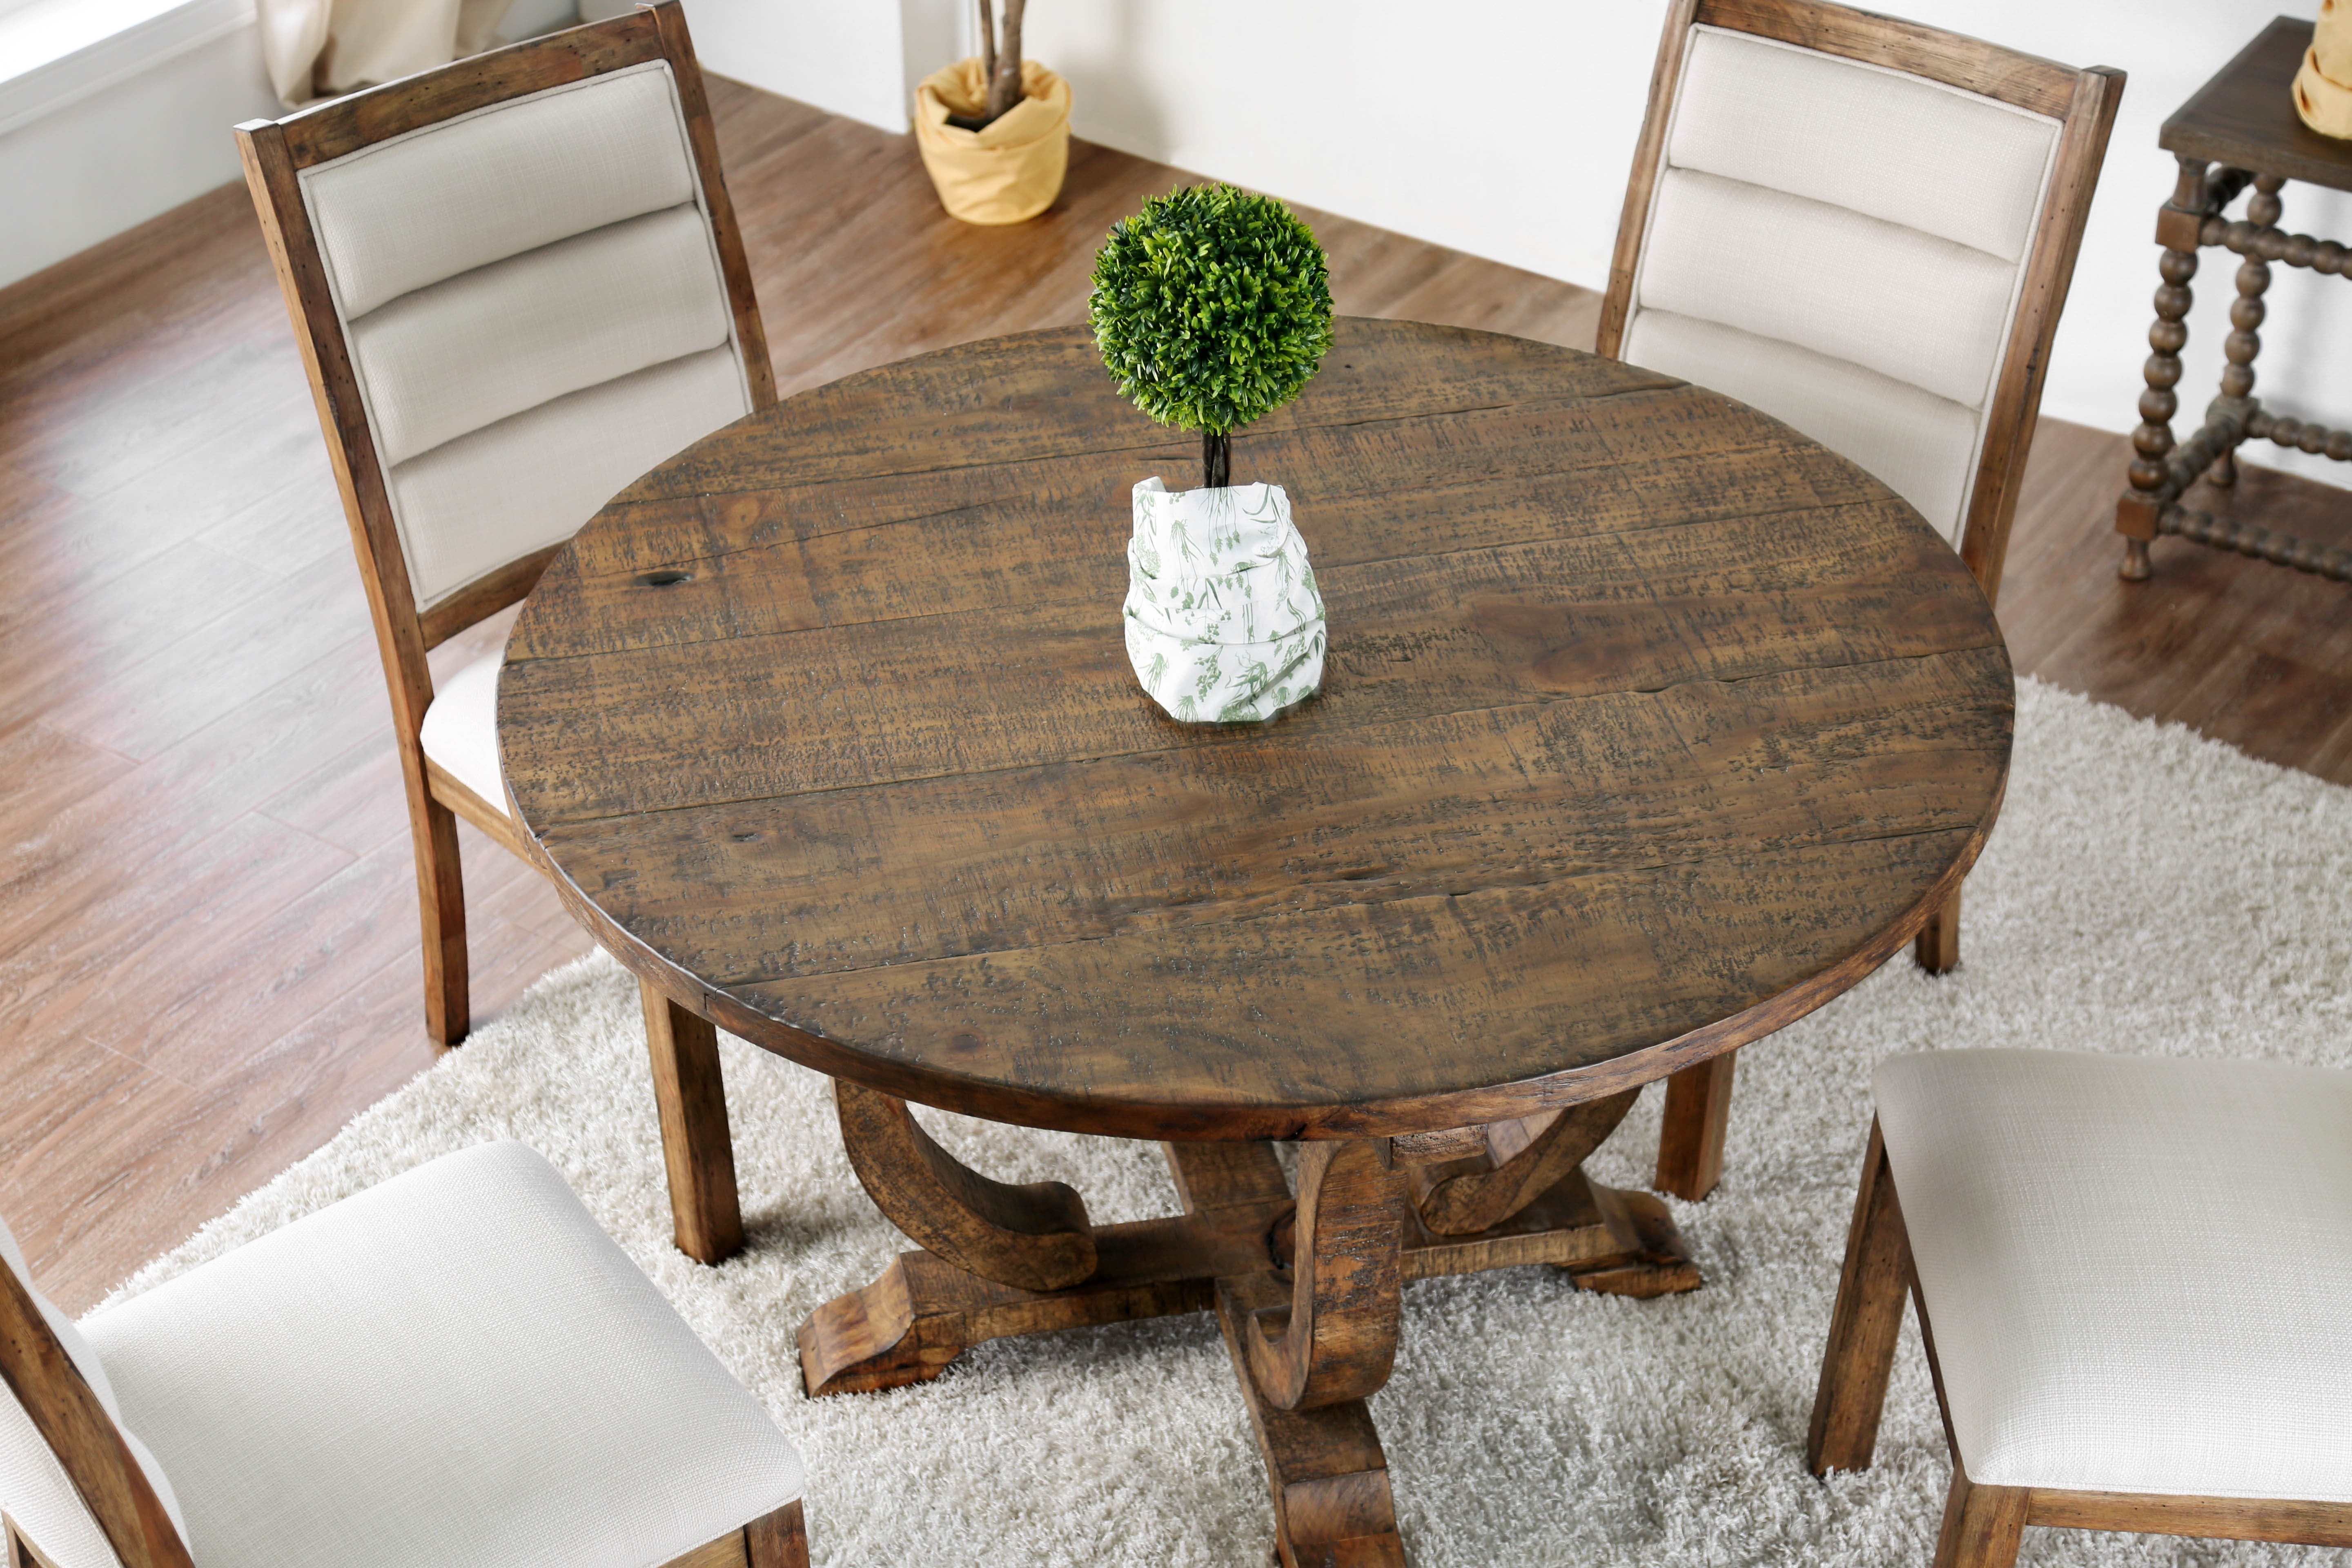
(1699, 1099)
(70, 1418)
(275, 152)
(1983, 1523)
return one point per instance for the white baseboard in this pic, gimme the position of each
(60, 51)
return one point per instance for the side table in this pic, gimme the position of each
(2240, 129)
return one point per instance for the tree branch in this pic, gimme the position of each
(1004, 84)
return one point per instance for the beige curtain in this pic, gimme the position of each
(315, 48)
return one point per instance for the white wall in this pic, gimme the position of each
(106, 160)
(1503, 128)
(844, 56)
(117, 113)
(1506, 128)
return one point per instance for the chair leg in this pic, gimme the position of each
(1983, 1525)
(695, 1146)
(779, 1540)
(1937, 951)
(1864, 1324)
(441, 900)
(1690, 1143)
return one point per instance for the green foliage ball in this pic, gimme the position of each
(1211, 307)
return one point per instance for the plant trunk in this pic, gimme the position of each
(1216, 459)
(987, 51)
(1004, 78)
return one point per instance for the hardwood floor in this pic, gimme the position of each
(208, 940)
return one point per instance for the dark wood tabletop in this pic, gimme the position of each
(1648, 726)
(2245, 116)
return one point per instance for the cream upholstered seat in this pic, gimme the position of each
(35, 1494)
(1865, 229)
(454, 1367)
(2136, 1277)
(460, 732)
(2139, 1271)
(519, 285)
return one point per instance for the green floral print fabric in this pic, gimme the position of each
(1224, 625)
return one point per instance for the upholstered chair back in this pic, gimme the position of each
(74, 1482)
(1869, 253)
(535, 310)
(518, 284)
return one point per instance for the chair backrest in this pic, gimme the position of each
(1865, 229)
(518, 284)
(74, 1484)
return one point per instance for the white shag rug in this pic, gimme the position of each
(2146, 890)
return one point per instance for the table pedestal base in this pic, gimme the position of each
(1230, 1253)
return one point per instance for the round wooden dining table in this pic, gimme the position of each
(1647, 726)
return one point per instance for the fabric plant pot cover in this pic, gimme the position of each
(1224, 624)
(2323, 87)
(1010, 171)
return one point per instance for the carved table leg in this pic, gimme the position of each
(1332, 1505)
(1306, 1293)
(1338, 1337)
(1524, 1158)
(923, 1313)
(1036, 1236)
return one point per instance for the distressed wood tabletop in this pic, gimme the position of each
(1648, 726)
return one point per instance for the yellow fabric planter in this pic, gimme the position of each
(1011, 171)
(2323, 89)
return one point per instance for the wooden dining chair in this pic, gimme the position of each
(2134, 1279)
(518, 284)
(454, 1367)
(1865, 229)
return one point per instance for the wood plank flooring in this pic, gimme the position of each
(208, 943)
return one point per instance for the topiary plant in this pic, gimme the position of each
(1213, 309)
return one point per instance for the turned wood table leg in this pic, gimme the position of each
(2247, 311)
(1036, 1236)
(696, 1146)
(1338, 1337)
(2177, 229)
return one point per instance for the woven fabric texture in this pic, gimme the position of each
(409, 211)
(2138, 1270)
(473, 349)
(1853, 213)
(1887, 145)
(461, 728)
(536, 313)
(1915, 443)
(1888, 298)
(472, 504)
(457, 1366)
